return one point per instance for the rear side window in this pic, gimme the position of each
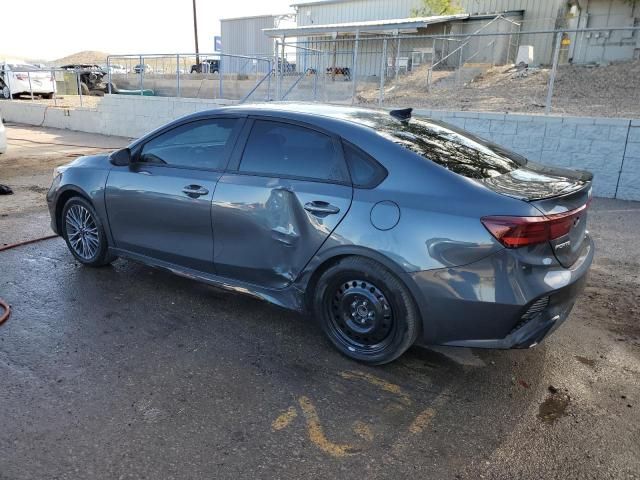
(199, 144)
(282, 149)
(365, 171)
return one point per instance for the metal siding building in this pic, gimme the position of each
(245, 36)
(537, 15)
(341, 11)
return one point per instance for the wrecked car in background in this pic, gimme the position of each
(92, 79)
(24, 79)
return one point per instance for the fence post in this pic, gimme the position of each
(141, 68)
(282, 66)
(79, 83)
(383, 71)
(493, 53)
(178, 75)
(221, 77)
(355, 69)
(459, 72)
(315, 78)
(398, 58)
(30, 87)
(270, 67)
(325, 56)
(109, 75)
(55, 87)
(554, 71)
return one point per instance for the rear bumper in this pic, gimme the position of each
(487, 304)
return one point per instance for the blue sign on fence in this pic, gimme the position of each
(217, 44)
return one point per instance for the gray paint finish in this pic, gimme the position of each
(263, 239)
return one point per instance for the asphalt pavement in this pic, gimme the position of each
(132, 372)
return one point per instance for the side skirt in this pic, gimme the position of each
(289, 297)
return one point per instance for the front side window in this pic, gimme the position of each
(199, 144)
(282, 149)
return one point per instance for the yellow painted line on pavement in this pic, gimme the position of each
(316, 433)
(363, 430)
(422, 420)
(378, 382)
(284, 419)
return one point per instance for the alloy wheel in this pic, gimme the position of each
(82, 232)
(5, 92)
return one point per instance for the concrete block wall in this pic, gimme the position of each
(118, 115)
(607, 147)
(629, 186)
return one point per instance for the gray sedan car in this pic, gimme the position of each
(390, 229)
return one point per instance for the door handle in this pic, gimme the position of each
(321, 208)
(195, 191)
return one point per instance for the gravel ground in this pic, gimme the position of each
(131, 372)
(607, 91)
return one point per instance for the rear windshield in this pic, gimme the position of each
(455, 150)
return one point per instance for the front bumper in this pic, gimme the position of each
(485, 304)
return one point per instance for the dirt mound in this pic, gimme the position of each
(86, 56)
(612, 91)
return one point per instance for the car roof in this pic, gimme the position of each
(332, 117)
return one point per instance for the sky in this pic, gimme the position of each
(52, 29)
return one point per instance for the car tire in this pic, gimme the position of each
(84, 89)
(47, 96)
(365, 311)
(84, 234)
(4, 91)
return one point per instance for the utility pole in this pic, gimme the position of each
(195, 32)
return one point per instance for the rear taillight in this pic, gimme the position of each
(514, 232)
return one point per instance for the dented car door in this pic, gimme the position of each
(286, 193)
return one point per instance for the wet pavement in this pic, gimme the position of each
(131, 372)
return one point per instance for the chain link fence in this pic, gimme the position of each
(60, 87)
(498, 68)
(206, 75)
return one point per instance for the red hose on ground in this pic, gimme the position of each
(26, 242)
(7, 311)
(4, 305)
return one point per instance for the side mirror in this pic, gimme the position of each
(121, 157)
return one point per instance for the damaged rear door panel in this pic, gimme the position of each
(285, 193)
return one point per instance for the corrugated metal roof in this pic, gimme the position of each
(316, 2)
(250, 17)
(366, 26)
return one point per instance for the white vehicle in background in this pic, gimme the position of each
(3, 136)
(115, 69)
(23, 79)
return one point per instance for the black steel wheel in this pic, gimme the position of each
(84, 233)
(360, 314)
(366, 311)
